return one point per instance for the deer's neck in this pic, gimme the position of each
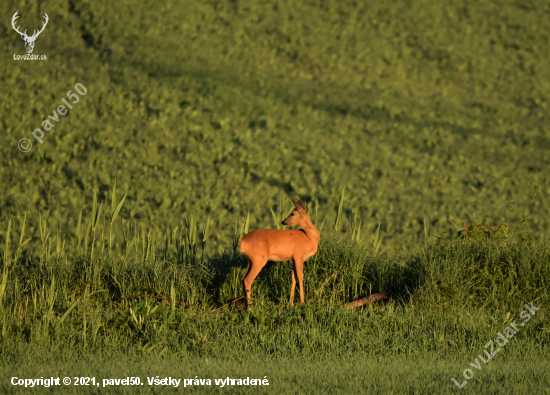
(311, 231)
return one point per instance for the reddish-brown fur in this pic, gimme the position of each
(260, 246)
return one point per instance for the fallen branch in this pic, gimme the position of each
(373, 298)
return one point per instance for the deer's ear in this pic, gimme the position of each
(299, 205)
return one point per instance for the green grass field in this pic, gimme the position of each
(397, 123)
(519, 375)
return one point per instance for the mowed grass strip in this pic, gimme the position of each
(519, 373)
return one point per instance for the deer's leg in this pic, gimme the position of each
(299, 269)
(246, 274)
(256, 265)
(247, 269)
(293, 284)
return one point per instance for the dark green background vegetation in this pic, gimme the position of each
(421, 108)
(206, 113)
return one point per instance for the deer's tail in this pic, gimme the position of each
(242, 246)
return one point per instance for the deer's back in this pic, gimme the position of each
(277, 245)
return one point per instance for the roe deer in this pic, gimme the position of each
(262, 245)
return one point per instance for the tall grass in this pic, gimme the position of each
(99, 292)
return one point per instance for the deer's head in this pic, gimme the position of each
(297, 215)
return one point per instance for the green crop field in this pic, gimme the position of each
(158, 133)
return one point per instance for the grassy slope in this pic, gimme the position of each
(420, 109)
